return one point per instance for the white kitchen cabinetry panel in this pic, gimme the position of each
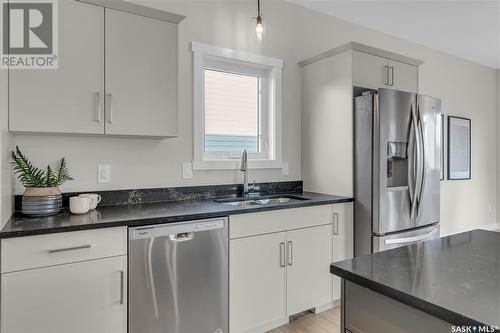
(68, 99)
(257, 299)
(278, 220)
(369, 71)
(403, 76)
(141, 75)
(343, 235)
(80, 297)
(54, 249)
(309, 255)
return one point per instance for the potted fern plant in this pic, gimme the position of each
(42, 196)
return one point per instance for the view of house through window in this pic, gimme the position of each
(232, 104)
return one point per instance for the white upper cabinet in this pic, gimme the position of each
(67, 99)
(403, 76)
(117, 75)
(371, 71)
(141, 75)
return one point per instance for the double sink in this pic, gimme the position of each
(260, 201)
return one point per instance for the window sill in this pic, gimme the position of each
(235, 164)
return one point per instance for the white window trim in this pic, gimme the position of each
(203, 53)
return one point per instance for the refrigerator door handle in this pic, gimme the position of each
(413, 166)
(410, 239)
(422, 161)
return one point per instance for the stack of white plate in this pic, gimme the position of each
(42, 206)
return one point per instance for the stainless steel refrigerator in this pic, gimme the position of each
(397, 147)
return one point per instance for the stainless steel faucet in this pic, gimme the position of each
(244, 167)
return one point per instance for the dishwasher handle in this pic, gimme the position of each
(181, 237)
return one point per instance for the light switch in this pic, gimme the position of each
(284, 169)
(187, 170)
(103, 174)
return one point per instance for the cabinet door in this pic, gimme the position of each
(141, 75)
(343, 244)
(369, 71)
(257, 289)
(403, 76)
(88, 296)
(309, 255)
(68, 99)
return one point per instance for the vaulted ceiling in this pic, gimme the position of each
(467, 29)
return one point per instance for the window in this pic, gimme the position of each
(232, 106)
(237, 104)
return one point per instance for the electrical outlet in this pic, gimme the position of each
(187, 170)
(103, 174)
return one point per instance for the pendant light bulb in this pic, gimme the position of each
(259, 29)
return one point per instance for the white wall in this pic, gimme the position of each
(292, 33)
(5, 147)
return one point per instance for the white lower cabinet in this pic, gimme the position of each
(343, 239)
(65, 282)
(257, 294)
(309, 255)
(277, 274)
(87, 296)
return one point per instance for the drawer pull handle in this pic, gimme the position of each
(70, 248)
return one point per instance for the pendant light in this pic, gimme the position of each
(259, 29)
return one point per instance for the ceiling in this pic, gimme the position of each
(467, 29)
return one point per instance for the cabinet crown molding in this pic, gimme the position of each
(133, 8)
(362, 48)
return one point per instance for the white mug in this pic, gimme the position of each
(96, 198)
(80, 205)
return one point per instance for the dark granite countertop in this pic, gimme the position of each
(151, 213)
(455, 278)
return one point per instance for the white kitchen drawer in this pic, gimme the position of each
(60, 248)
(278, 220)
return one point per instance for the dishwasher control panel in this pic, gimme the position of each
(159, 230)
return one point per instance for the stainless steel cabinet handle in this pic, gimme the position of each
(122, 287)
(98, 107)
(335, 223)
(386, 75)
(290, 253)
(87, 246)
(282, 254)
(391, 81)
(109, 119)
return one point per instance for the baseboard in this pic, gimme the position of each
(267, 326)
(327, 306)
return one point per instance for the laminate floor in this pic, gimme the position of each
(323, 322)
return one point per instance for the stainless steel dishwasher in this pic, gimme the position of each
(178, 277)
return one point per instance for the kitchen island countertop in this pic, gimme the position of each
(454, 278)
